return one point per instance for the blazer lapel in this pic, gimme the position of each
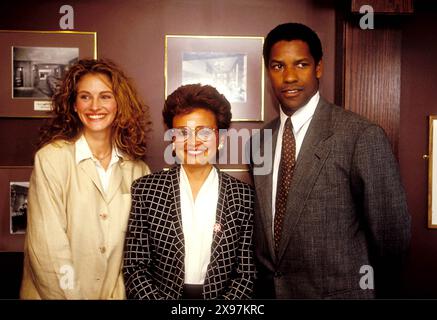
(312, 156)
(90, 169)
(263, 185)
(176, 214)
(220, 216)
(115, 181)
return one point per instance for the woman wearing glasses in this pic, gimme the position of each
(190, 228)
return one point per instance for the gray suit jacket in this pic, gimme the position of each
(346, 209)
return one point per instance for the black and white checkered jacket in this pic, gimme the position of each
(154, 251)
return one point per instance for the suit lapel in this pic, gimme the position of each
(312, 156)
(263, 185)
(115, 180)
(218, 232)
(176, 214)
(90, 169)
(220, 216)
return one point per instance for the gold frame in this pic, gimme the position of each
(254, 52)
(24, 107)
(432, 173)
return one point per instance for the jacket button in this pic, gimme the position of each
(103, 216)
(278, 274)
(102, 249)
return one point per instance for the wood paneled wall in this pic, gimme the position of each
(384, 6)
(369, 69)
(372, 69)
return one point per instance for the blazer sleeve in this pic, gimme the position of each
(377, 184)
(241, 285)
(47, 245)
(137, 256)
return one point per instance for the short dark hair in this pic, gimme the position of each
(191, 96)
(293, 31)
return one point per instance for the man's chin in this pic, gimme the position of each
(289, 109)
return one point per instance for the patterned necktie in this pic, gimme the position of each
(285, 174)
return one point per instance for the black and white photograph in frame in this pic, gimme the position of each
(18, 206)
(37, 71)
(225, 71)
(231, 64)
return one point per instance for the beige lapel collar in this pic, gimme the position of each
(116, 180)
(89, 168)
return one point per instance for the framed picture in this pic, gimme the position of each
(233, 65)
(33, 63)
(14, 185)
(18, 191)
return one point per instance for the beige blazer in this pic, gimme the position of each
(75, 233)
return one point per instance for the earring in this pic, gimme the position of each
(173, 152)
(220, 146)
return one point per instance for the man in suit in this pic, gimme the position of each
(331, 213)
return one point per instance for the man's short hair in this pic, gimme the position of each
(293, 31)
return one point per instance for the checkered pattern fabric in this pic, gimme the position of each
(154, 251)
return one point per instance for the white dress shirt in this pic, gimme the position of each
(301, 120)
(198, 220)
(83, 152)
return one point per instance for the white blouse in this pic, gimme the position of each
(198, 220)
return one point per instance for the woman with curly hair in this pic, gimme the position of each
(79, 194)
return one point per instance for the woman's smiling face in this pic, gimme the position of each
(196, 136)
(95, 103)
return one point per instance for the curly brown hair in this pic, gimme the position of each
(188, 97)
(132, 121)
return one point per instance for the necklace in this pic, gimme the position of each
(104, 157)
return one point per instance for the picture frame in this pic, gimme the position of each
(18, 192)
(34, 62)
(432, 173)
(11, 241)
(232, 64)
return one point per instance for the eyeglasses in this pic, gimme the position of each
(201, 132)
